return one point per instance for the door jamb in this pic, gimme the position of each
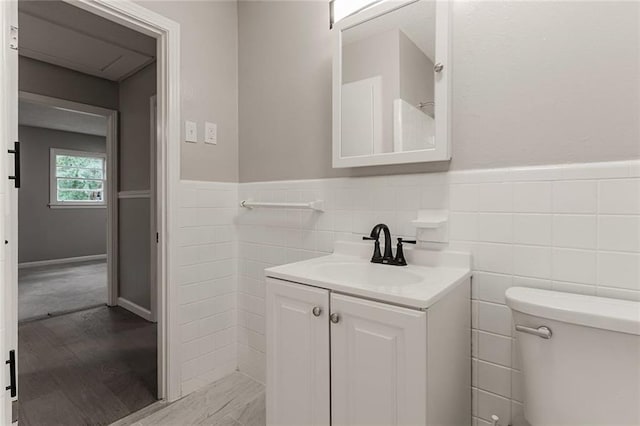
(154, 166)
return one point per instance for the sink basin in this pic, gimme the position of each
(429, 276)
(363, 274)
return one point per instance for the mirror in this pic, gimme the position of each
(391, 85)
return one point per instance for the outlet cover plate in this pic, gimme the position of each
(190, 131)
(211, 133)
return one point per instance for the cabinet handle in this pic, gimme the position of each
(438, 67)
(317, 310)
(335, 318)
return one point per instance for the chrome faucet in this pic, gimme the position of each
(387, 258)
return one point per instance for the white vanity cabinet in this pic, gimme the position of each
(336, 359)
(378, 368)
(298, 371)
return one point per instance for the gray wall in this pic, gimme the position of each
(134, 146)
(534, 83)
(134, 283)
(46, 233)
(62, 83)
(209, 58)
(134, 169)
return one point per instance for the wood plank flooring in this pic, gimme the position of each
(90, 367)
(235, 400)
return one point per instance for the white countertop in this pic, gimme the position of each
(428, 277)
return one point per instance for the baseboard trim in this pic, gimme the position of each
(135, 308)
(62, 261)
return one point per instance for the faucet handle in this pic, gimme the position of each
(400, 259)
(377, 255)
(402, 240)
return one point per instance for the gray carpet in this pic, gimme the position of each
(48, 290)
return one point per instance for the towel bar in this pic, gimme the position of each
(317, 205)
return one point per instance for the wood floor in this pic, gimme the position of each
(235, 400)
(85, 368)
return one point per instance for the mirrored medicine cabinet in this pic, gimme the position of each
(391, 84)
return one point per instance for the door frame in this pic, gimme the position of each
(154, 166)
(112, 178)
(167, 35)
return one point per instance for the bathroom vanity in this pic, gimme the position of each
(350, 342)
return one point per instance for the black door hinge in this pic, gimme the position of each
(14, 411)
(13, 37)
(16, 161)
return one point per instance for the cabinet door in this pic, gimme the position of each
(378, 363)
(297, 354)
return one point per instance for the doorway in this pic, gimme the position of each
(79, 344)
(167, 36)
(64, 229)
(129, 200)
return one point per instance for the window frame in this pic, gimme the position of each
(53, 179)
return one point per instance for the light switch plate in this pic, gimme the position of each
(211, 133)
(190, 131)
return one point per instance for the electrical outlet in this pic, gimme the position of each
(211, 133)
(191, 131)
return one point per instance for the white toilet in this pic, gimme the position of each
(580, 357)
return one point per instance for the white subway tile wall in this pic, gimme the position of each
(207, 282)
(569, 227)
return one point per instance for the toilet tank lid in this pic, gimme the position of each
(591, 311)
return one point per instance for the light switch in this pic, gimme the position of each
(191, 131)
(211, 133)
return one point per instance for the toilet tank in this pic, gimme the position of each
(587, 372)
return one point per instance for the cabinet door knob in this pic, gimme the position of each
(317, 310)
(438, 67)
(335, 318)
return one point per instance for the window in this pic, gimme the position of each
(77, 178)
(342, 8)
